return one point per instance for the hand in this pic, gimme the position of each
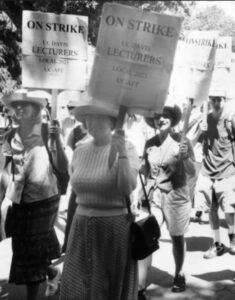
(118, 142)
(183, 150)
(203, 126)
(135, 208)
(54, 130)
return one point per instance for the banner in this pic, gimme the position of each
(134, 58)
(220, 75)
(193, 65)
(54, 50)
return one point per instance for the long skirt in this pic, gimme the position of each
(34, 241)
(98, 263)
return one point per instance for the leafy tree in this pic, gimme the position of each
(11, 24)
(9, 54)
(211, 18)
(90, 8)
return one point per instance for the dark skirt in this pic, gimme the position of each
(98, 263)
(34, 241)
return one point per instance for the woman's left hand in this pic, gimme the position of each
(54, 130)
(118, 142)
(183, 150)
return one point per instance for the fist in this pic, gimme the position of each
(118, 142)
(203, 126)
(183, 149)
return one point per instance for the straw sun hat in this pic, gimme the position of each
(91, 106)
(173, 111)
(25, 96)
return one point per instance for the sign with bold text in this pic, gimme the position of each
(220, 75)
(54, 50)
(134, 58)
(193, 65)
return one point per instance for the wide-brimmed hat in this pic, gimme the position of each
(217, 94)
(23, 95)
(174, 112)
(90, 106)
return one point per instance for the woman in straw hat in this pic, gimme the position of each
(31, 185)
(166, 163)
(98, 263)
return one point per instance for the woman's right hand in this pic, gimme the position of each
(203, 126)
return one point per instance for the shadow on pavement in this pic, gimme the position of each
(159, 277)
(198, 243)
(217, 276)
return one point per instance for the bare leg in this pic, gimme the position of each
(214, 219)
(179, 249)
(144, 267)
(230, 222)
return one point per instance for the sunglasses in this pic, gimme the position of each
(214, 99)
(20, 103)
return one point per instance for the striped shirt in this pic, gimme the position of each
(93, 181)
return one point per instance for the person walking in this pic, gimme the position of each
(98, 263)
(166, 163)
(31, 185)
(77, 136)
(216, 181)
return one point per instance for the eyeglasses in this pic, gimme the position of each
(214, 99)
(20, 104)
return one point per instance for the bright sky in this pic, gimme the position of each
(228, 6)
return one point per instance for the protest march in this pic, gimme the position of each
(117, 134)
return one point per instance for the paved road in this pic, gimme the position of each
(206, 279)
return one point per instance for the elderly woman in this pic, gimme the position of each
(166, 163)
(30, 183)
(98, 263)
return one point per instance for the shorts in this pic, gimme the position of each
(212, 193)
(175, 207)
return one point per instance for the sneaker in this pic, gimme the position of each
(53, 285)
(217, 249)
(232, 243)
(179, 284)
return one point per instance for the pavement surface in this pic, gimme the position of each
(206, 278)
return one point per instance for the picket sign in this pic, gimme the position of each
(134, 57)
(193, 65)
(55, 45)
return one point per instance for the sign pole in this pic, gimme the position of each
(52, 145)
(186, 120)
(118, 126)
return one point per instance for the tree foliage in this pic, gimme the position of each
(11, 24)
(211, 18)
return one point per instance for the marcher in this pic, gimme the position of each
(69, 122)
(98, 263)
(166, 162)
(31, 185)
(216, 181)
(77, 136)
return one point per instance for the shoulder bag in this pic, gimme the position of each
(145, 233)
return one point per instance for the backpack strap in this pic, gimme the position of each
(44, 134)
(229, 125)
(9, 159)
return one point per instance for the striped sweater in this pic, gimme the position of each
(92, 180)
